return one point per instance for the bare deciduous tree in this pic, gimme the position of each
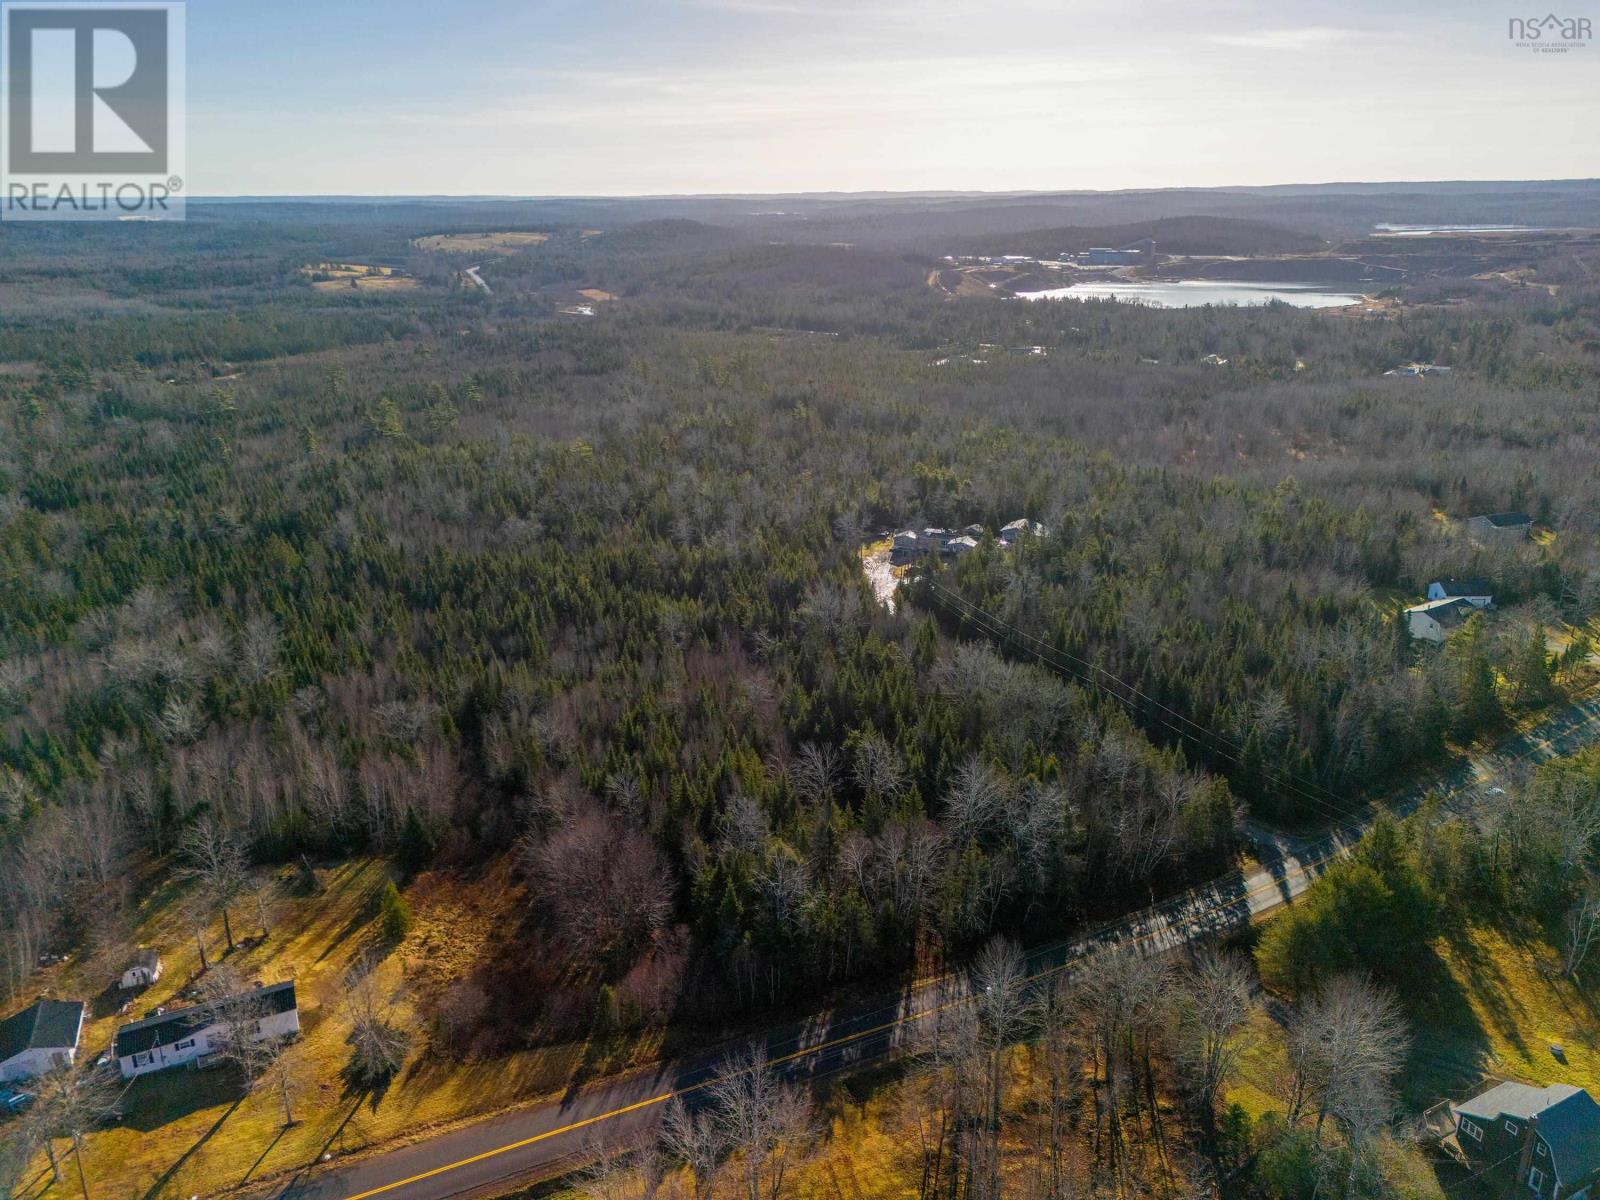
(1582, 925)
(1055, 1017)
(765, 1118)
(622, 1173)
(999, 980)
(1211, 1003)
(606, 886)
(215, 862)
(239, 1011)
(698, 1141)
(1349, 1037)
(378, 1043)
(815, 774)
(68, 1103)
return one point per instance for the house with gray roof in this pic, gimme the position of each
(194, 1034)
(1448, 587)
(40, 1038)
(1435, 620)
(1505, 526)
(1543, 1139)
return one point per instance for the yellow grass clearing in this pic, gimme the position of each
(336, 277)
(1522, 1003)
(1493, 1011)
(187, 1133)
(595, 294)
(504, 242)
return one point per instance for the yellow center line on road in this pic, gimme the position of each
(1271, 885)
(1301, 870)
(527, 1141)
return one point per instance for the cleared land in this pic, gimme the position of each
(504, 242)
(334, 277)
(189, 1133)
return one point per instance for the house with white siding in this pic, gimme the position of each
(142, 971)
(190, 1035)
(1476, 592)
(1436, 620)
(42, 1037)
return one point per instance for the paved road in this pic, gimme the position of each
(537, 1141)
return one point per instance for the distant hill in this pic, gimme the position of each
(1172, 235)
(669, 233)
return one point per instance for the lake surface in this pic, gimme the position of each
(1192, 293)
(1386, 228)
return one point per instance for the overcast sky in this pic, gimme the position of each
(673, 96)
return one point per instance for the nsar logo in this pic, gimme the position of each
(1549, 34)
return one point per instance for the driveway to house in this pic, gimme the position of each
(541, 1140)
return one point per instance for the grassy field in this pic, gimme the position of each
(1491, 1008)
(335, 277)
(189, 1133)
(505, 242)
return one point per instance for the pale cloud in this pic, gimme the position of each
(1309, 37)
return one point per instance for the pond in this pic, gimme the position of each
(1192, 293)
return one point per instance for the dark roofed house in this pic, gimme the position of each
(1435, 620)
(40, 1038)
(1506, 526)
(1544, 1139)
(186, 1035)
(1476, 591)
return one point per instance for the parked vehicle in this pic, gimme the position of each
(12, 1100)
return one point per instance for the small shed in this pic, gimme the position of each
(142, 971)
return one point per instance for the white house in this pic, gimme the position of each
(40, 1038)
(1012, 530)
(956, 547)
(1437, 619)
(186, 1035)
(1474, 591)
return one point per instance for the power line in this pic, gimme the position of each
(1220, 745)
(1044, 650)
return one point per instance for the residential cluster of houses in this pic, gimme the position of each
(44, 1036)
(912, 544)
(1141, 251)
(1450, 602)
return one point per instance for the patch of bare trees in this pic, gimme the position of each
(378, 1040)
(217, 866)
(607, 889)
(752, 1121)
(239, 1039)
